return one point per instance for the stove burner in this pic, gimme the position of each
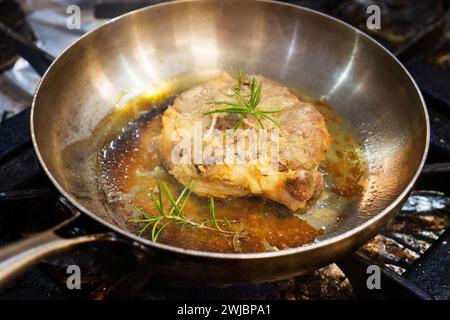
(401, 20)
(412, 243)
(12, 16)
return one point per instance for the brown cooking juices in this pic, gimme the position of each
(130, 167)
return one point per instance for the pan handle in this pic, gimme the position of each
(39, 59)
(20, 255)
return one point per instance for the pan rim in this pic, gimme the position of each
(241, 256)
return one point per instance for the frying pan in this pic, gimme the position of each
(303, 49)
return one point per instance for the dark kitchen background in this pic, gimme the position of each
(413, 251)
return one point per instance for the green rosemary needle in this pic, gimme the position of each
(246, 103)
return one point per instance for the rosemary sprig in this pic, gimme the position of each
(246, 103)
(175, 215)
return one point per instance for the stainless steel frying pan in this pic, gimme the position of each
(306, 50)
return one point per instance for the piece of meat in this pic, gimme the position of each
(303, 141)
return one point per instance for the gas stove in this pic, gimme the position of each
(413, 251)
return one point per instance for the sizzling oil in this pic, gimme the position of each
(130, 167)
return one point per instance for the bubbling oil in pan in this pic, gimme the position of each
(129, 167)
